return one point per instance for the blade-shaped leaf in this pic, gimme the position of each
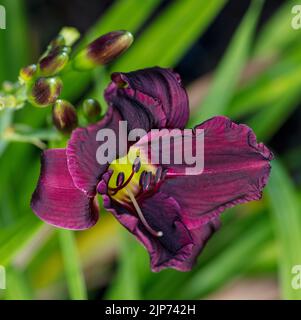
(168, 38)
(277, 33)
(75, 278)
(285, 210)
(230, 68)
(126, 283)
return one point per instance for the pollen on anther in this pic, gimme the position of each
(147, 180)
(137, 165)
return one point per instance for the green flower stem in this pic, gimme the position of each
(73, 271)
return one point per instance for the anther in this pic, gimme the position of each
(146, 180)
(136, 165)
(158, 175)
(120, 179)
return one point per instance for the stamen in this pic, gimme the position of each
(147, 178)
(141, 216)
(120, 179)
(158, 175)
(137, 165)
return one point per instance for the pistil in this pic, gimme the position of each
(141, 216)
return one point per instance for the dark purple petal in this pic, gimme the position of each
(170, 250)
(179, 247)
(86, 172)
(154, 95)
(153, 98)
(56, 200)
(236, 169)
(200, 236)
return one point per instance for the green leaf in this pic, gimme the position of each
(74, 275)
(5, 121)
(126, 283)
(277, 33)
(120, 17)
(17, 285)
(168, 38)
(274, 115)
(281, 79)
(15, 238)
(285, 210)
(230, 68)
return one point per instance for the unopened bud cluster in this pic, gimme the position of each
(43, 82)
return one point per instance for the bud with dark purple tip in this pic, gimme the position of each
(27, 73)
(103, 50)
(54, 62)
(57, 42)
(45, 91)
(91, 110)
(67, 37)
(64, 116)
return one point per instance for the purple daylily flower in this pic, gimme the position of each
(172, 214)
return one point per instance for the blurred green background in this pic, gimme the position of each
(238, 58)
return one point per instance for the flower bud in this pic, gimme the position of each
(57, 42)
(45, 91)
(103, 50)
(8, 86)
(27, 73)
(91, 110)
(70, 35)
(64, 116)
(54, 62)
(8, 101)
